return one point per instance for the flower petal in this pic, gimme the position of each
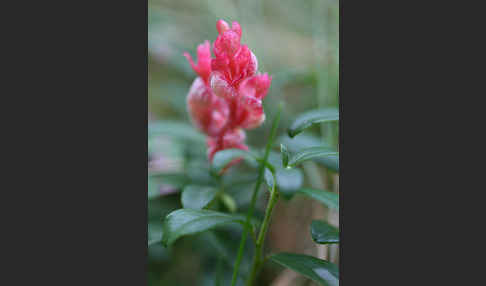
(250, 114)
(234, 138)
(256, 86)
(208, 112)
(203, 66)
(220, 86)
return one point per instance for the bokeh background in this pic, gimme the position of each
(297, 43)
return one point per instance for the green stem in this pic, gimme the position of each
(254, 196)
(258, 258)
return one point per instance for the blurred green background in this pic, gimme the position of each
(297, 43)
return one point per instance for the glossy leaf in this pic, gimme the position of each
(189, 221)
(224, 157)
(305, 120)
(289, 181)
(197, 197)
(321, 271)
(309, 154)
(324, 233)
(305, 141)
(327, 198)
(198, 172)
(330, 162)
(235, 179)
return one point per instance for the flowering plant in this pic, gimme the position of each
(223, 101)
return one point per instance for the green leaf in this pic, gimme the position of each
(324, 233)
(330, 162)
(224, 157)
(309, 154)
(189, 221)
(305, 120)
(321, 271)
(197, 197)
(231, 180)
(285, 155)
(304, 141)
(329, 199)
(176, 129)
(289, 181)
(198, 172)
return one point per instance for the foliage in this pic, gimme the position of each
(218, 225)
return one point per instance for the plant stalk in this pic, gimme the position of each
(258, 257)
(254, 196)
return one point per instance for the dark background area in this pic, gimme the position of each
(89, 225)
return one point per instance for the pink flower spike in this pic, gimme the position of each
(227, 96)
